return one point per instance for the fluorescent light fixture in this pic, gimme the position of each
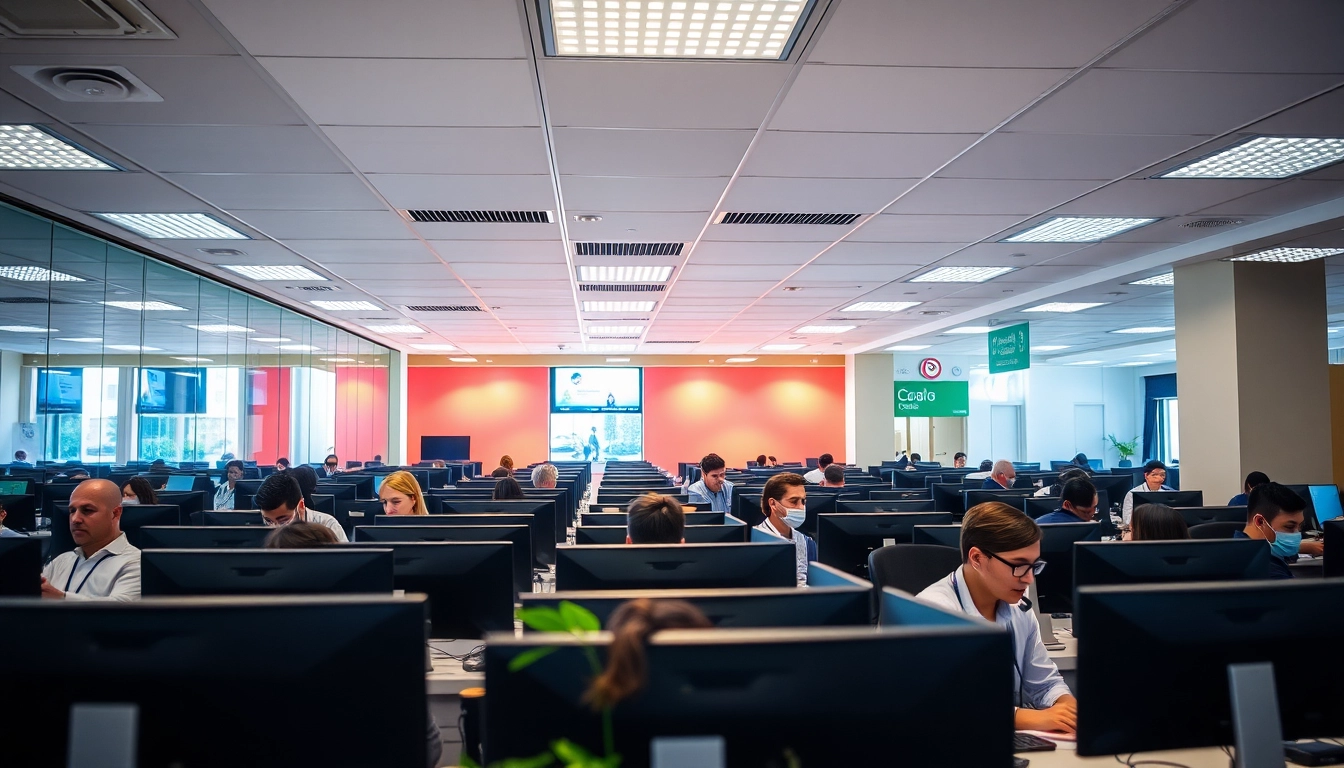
(1085, 362)
(273, 272)
(395, 329)
(1151, 354)
(611, 347)
(84, 340)
(221, 328)
(145, 306)
(26, 329)
(810, 329)
(1065, 306)
(615, 330)
(1049, 347)
(338, 359)
(1146, 329)
(881, 306)
(1133, 363)
(174, 226)
(618, 359)
(269, 339)
(37, 275)
(31, 148)
(961, 274)
(194, 359)
(132, 348)
(1077, 229)
(297, 347)
(346, 306)
(907, 347)
(591, 274)
(740, 360)
(970, 329)
(1289, 255)
(672, 29)
(462, 359)
(1263, 157)
(1167, 278)
(434, 347)
(781, 347)
(618, 306)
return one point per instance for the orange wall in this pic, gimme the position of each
(361, 413)
(503, 410)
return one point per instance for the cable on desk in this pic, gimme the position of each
(477, 651)
(1130, 762)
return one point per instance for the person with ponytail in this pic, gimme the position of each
(631, 625)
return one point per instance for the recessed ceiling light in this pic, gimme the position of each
(194, 359)
(338, 359)
(37, 275)
(907, 348)
(32, 148)
(611, 347)
(657, 29)
(434, 347)
(1085, 362)
(811, 329)
(1133, 363)
(625, 274)
(587, 218)
(221, 328)
(269, 339)
(970, 329)
(793, 288)
(961, 274)
(615, 330)
(26, 329)
(462, 359)
(174, 226)
(1151, 354)
(740, 360)
(1077, 229)
(346, 306)
(1065, 306)
(618, 306)
(1049, 347)
(145, 306)
(132, 348)
(1146, 329)
(881, 306)
(1263, 157)
(1167, 278)
(618, 359)
(1289, 255)
(297, 347)
(85, 340)
(273, 272)
(395, 329)
(782, 347)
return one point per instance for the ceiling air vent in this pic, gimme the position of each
(87, 84)
(621, 287)
(628, 249)
(222, 251)
(597, 337)
(671, 342)
(1211, 223)
(317, 288)
(480, 217)
(443, 308)
(31, 300)
(89, 19)
(787, 218)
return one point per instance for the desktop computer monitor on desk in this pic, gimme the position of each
(1170, 498)
(176, 572)
(470, 585)
(1103, 563)
(204, 536)
(686, 566)
(1055, 583)
(844, 541)
(20, 567)
(519, 536)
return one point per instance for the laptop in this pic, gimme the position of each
(180, 483)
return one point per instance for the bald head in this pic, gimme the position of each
(1004, 473)
(95, 514)
(104, 493)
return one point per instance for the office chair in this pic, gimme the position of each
(911, 567)
(1215, 530)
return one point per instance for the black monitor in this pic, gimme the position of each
(1012, 497)
(924, 505)
(361, 482)
(20, 566)
(844, 541)
(1200, 515)
(685, 566)
(332, 570)
(620, 518)
(188, 502)
(323, 502)
(1334, 548)
(470, 584)
(339, 489)
(203, 536)
(539, 519)
(1193, 633)
(1101, 563)
(520, 536)
(942, 535)
(694, 534)
(190, 674)
(1116, 486)
(246, 488)
(902, 495)
(947, 498)
(1170, 498)
(727, 682)
(1054, 585)
(20, 511)
(133, 518)
(228, 517)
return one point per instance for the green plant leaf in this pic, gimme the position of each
(570, 752)
(464, 761)
(579, 618)
(536, 761)
(530, 656)
(543, 619)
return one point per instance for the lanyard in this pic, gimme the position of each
(71, 577)
(1012, 638)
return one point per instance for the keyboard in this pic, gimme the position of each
(1025, 742)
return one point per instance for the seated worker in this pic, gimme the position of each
(507, 489)
(784, 504)
(655, 519)
(986, 469)
(713, 487)
(1275, 514)
(631, 624)
(959, 460)
(1003, 476)
(1156, 522)
(137, 490)
(233, 472)
(281, 503)
(103, 565)
(401, 495)
(1001, 556)
(1057, 487)
(914, 457)
(816, 475)
(833, 477)
(1077, 504)
(1252, 480)
(1154, 479)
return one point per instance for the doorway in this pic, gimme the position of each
(1005, 432)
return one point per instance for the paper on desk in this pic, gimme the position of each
(1062, 740)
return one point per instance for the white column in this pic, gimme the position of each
(870, 409)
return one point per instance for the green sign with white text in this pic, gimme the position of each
(1010, 348)
(933, 398)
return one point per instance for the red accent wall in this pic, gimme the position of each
(503, 410)
(270, 419)
(361, 413)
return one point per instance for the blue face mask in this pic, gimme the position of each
(795, 517)
(1285, 545)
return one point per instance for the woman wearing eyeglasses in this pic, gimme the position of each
(1001, 556)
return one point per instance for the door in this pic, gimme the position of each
(1005, 432)
(949, 439)
(1089, 431)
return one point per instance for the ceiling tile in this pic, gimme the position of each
(1065, 156)
(475, 231)
(106, 191)
(361, 251)
(472, 193)
(852, 252)
(792, 195)
(394, 149)
(736, 272)
(589, 152)
(1162, 197)
(989, 196)
(220, 149)
(849, 273)
(317, 192)
(889, 228)
(853, 155)
(317, 225)
(512, 251)
(748, 253)
(1280, 199)
(611, 193)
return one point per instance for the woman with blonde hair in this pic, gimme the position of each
(401, 495)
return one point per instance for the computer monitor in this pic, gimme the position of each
(470, 584)
(13, 487)
(620, 518)
(180, 483)
(20, 511)
(947, 497)
(923, 505)
(323, 502)
(1012, 497)
(1324, 503)
(228, 517)
(694, 534)
(1200, 515)
(339, 489)
(686, 566)
(909, 494)
(1116, 486)
(727, 682)
(203, 536)
(378, 483)
(191, 676)
(1055, 583)
(1102, 563)
(539, 513)
(334, 570)
(844, 541)
(1334, 548)
(20, 566)
(1170, 498)
(188, 502)
(1194, 633)
(942, 535)
(520, 536)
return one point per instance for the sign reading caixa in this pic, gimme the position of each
(933, 398)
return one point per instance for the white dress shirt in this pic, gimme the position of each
(113, 573)
(322, 518)
(799, 545)
(1129, 498)
(815, 476)
(1035, 676)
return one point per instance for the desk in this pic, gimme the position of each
(1192, 758)
(447, 678)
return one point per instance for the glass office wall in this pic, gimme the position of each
(108, 356)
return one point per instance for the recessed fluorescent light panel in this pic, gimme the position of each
(338, 359)
(395, 329)
(194, 359)
(1146, 329)
(907, 348)
(591, 274)
(269, 339)
(85, 340)
(782, 347)
(26, 329)
(1133, 364)
(1049, 347)
(672, 28)
(1077, 229)
(462, 359)
(29, 148)
(970, 329)
(220, 328)
(1064, 306)
(618, 306)
(1263, 157)
(174, 226)
(37, 275)
(1168, 278)
(434, 347)
(615, 330)
(961, 274)
(880, 306)
(810, 329)
(1289, 255)
(132, 348)
(740, 360)
(297, 347)
(1085, 362)
(347, 306)
(145, 306)
(273, 272)
(611, 347)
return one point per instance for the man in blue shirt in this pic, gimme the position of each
(1003, 476)
(1252, 480)
(1275, 514)
(20, 459)
(713, 487)
(1078, 504)
(1154, 479)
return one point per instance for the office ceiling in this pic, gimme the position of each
(310, 124)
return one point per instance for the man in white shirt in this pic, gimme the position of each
(713, 487)
(986, 469)
(103, 565)
(1154, 479)
(816, 475)
(784, 504)
(281, 502)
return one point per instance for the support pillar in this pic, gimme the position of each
(396, 405)
(870, 409)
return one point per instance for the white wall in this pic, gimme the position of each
(11, 406)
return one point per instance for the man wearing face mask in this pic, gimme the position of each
(1275, 514)
(784, 504)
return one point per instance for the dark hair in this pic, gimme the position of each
(655, 519)
(916, 457)
(283, 462)
(825, 460)
(987, 466)
(506, 488)
(1072, 473)
(834, 473)
(996, 527)
(501, 472)
(1157, 522)
(1152, 465)
(299, 535)
(235, 463)
(1269, 500)
(776, 487)
(143, 490)
(306, 477)
(760, 460)
(278, 490)
(958, 455)
(330, 457)
(631, 625)
(1254, 479)
(1080, 460)
(711, 463)
(1079, 492)
(773, 460)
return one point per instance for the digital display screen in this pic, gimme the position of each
(60, 390)
(597, 390)
(171, 390)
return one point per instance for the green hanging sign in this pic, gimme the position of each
(933, 398)
(1010, 348)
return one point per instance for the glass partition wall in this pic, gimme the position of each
(109, 356)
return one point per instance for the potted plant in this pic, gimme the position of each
(1126, 449)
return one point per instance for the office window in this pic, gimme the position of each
(205, 435)
(1168, 430)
